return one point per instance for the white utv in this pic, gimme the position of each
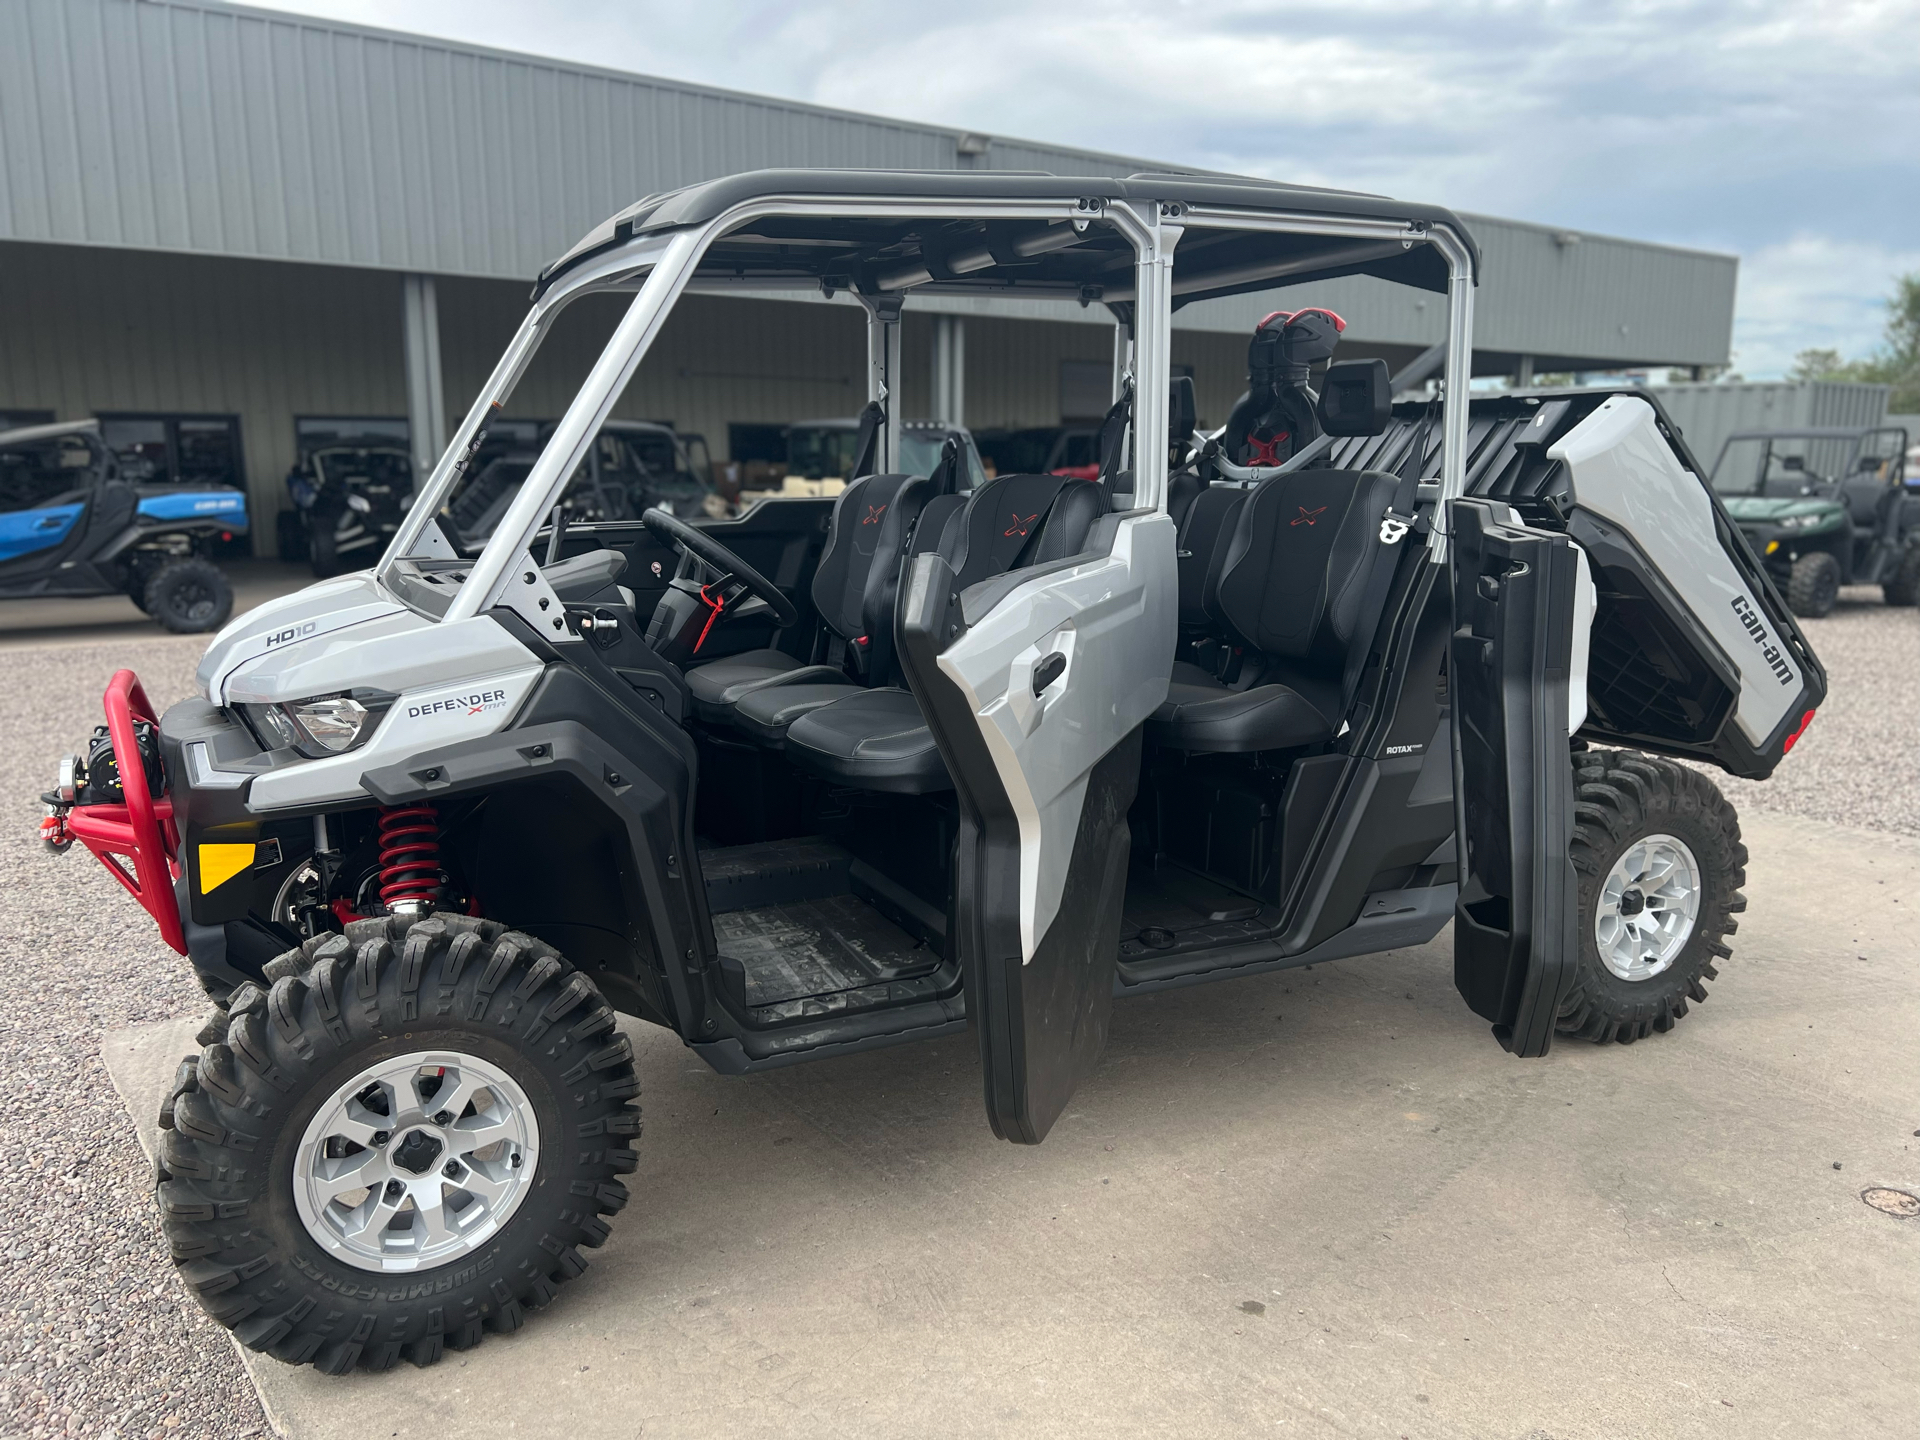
(937, 752)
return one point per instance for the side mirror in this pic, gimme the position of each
(1356, 398)
(1793, 462)
(1183, 415)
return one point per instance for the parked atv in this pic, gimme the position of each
(1826, 508)
(922, 757)
(349, 496)
(70, 524)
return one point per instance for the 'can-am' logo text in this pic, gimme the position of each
(292, 632)
(476, 703)
(1769, 651)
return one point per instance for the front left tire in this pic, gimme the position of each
(402, 1144)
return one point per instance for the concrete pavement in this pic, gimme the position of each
(1317, 1203)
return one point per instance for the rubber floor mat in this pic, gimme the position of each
(817, 947)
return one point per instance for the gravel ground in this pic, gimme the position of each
(97, 1337)
(1859, 762)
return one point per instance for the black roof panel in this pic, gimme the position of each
(857, 253)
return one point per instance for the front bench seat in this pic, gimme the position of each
(870, 517)
(878, 739)
(1290, 585)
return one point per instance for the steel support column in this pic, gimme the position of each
(950, 369)
(426, 391)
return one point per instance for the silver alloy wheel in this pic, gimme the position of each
(1647, 907)
(416, 1161)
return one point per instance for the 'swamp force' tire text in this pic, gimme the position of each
(466, 1074)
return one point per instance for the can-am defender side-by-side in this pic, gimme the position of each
(843, 773)
(72, 524)
(1826, 507)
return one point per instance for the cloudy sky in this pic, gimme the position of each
(1786, 131)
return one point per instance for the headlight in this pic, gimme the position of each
(1802, 522)
(325, 725)
(360, 503)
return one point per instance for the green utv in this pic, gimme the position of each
(1823, 508)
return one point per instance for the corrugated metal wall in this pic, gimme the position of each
(1708, 414)
(89, 331)
(175, 125)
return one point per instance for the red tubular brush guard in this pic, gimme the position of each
(141, 831)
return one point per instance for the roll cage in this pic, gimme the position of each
(1141, 246)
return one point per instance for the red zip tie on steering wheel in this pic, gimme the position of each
(715, 604)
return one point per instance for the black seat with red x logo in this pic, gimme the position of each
(1288, 591)
(877, 739)
(872, 520)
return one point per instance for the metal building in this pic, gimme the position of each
(1708, 414)
(215, 220)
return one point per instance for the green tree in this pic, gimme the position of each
(1896, 363)
(1822, 365)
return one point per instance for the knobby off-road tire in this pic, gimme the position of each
(323, 552)
(238, 1143)
(1904, 587)
(1813, 586)
(1621, 799)
(189, 597)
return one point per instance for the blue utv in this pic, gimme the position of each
(72, 524)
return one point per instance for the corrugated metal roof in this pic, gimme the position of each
(187, 125)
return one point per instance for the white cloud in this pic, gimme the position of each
(1813, 292)
(1778, 129)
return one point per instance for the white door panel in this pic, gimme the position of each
(1113, 621)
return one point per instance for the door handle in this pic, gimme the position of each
(51, 522)
(1047, 670)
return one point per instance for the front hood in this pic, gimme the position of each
(1770, 510)
(320, 609)
(349, 634)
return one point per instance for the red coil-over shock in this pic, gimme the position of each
(409, 855)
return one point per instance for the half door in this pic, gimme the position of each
(1515, 934)
(1036, 685)
(45, 488)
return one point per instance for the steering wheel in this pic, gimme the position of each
(732, 569)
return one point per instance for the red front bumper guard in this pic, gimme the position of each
(141, 832)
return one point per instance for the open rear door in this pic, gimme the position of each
(1036, 689)
(1515, 933)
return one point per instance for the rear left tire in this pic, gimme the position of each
(1813, 587)
(1657, 855)
(1904, 587)
(188, 596)
(399, 1146)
